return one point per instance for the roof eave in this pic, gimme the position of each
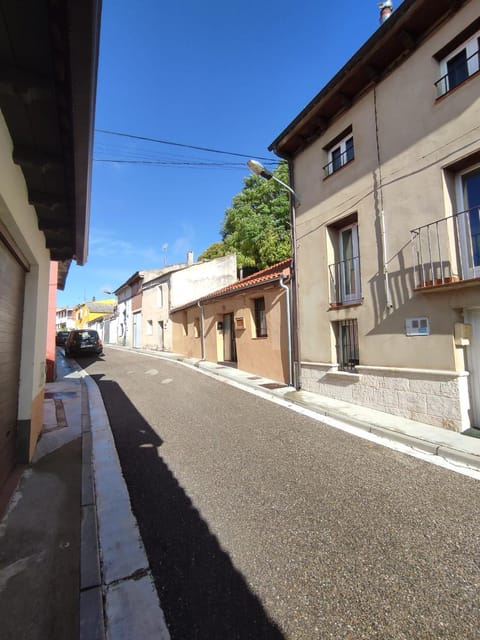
(310, 124)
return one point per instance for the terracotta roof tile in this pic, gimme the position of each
(260, 277)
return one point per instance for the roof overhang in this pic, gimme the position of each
(48, 77)
(396, 39)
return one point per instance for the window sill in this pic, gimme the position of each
(333, 173)
(344, 375)
(463, 83)
(335, 306)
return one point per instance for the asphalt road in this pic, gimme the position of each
(261, 523)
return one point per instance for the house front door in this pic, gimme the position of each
(12, 291)
(472, 317)
(161, 335)
(229, 347)
(137, 330)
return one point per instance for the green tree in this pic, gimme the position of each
(256, 227)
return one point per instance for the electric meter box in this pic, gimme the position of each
(417, 327)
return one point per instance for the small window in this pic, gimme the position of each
(458, 65)
(185, 323)
(346, 334)
(339, 154)
(260, 318)
(149, 328)
(159, 296)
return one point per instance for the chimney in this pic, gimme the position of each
(190, 258)
(386, 9)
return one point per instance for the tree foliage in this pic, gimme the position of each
(256, 227)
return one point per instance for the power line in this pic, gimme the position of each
(175, 162)
(178, 144)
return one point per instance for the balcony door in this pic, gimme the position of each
(349, 264)
(468, 197)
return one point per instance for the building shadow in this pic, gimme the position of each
(203, 595)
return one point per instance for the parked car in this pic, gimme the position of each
(61, 338)
(83, 341)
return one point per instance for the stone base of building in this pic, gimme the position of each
(438, 398)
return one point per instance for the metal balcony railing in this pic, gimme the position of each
(458, 73)
(345, 281)
(339, 161)
(447, 250)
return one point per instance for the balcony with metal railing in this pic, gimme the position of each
(447, 252)
(344, 279)
(458, 72)
(338, 161)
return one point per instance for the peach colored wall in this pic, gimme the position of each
(36, 422)
(266, 356)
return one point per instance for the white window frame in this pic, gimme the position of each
(470, 46)
(469, 270)
(357, 294)
(159, 294)
(341, 147)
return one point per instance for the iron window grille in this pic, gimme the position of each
(347, 345)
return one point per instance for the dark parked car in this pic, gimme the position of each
(83, 341)
(61, 338)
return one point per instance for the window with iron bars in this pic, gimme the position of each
(346, 334)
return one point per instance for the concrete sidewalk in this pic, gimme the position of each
(72, 562)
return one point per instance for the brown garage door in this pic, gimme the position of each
(12, 285)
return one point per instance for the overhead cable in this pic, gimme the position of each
(178, 144)
(175, 162)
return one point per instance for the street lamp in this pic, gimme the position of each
(292, 301)
(260, 170)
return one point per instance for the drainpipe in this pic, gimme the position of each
(289, 330)
(383, 232)
(294, 332)
(202, 328)
(385, 262)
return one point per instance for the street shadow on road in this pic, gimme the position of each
(201, 592)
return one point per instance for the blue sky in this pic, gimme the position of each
(221, 75)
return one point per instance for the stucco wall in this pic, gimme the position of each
(201, 279)
(178, 288)
(266, 356)
(20, 220)
(410, 178)
(155, 310)
(418, 138)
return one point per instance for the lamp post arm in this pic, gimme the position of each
(288, 188)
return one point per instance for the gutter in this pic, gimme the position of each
(205, 300)
(289, 330)
(202, 329)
